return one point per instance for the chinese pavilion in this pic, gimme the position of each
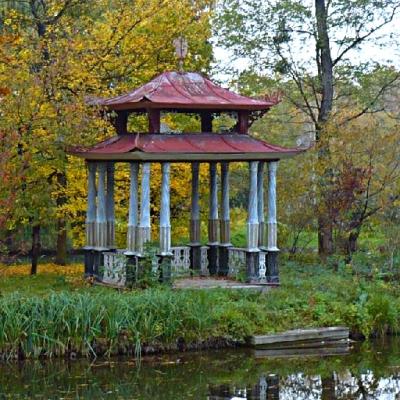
(192, 93)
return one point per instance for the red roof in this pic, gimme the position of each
(188, 90)
(185, 147)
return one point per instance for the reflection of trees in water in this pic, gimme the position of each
(370, 373)
(266, 388)
(367, 386)
(343, 386)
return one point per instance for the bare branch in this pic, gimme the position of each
(359, 39)
(307, 108)
(366, 109)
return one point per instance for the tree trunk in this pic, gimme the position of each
(61, 254)
(351, 244)
(35, 248)
(325, 70)
(325, 237)
(325, 74)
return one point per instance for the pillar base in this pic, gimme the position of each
(142, 237)
(272, 273)
(223, 267)
(213, 231)
(131, 269)
(262, 236)
(111, 235)
(195, 230)
(98, 261)
(164, 266)
(212, 254)
(195, 258)
(252, 266)
(89, 262)
(165, 240)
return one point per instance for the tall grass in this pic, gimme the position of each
(107, 322)
(112, 323)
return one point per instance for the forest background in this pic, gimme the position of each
(339, 201)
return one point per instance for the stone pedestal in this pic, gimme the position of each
(213, 245)
(252, 266)
(140, 266)
(89, 262)
(164, 265)
(131, 268)
(212, 254)
(272, 273)
(223, 267)
(195, 257)
(98, 261)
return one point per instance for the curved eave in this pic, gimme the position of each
(145, 105)
(187, 157)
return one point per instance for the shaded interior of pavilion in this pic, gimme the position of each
(211, 256)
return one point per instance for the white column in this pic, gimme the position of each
(144, 234)
(272, 221)
(252, 216)
(260, 204)
(195, 215)
(213, 206)
(133, 209)
(91, 206)
(165, 223)
(110, 206)
(225, 214)
(101, 219)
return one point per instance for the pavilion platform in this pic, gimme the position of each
(217, 283)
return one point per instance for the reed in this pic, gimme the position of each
(98, 321)
(110, 323)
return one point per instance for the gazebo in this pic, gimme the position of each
(192, 93)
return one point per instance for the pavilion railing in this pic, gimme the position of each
(114, 272)
(237, 261)
(180, 262)
(262, 266)
(204, 261)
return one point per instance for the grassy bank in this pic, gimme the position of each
(67, 316)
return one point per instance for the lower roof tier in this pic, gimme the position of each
(184, 147)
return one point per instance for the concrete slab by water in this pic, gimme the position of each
(212, 283)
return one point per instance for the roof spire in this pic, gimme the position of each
(181, 50)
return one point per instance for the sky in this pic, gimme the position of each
(370, 52)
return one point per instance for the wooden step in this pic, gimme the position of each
(301, 337)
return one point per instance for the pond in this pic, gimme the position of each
(368, 371)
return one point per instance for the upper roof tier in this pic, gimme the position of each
(184, 90)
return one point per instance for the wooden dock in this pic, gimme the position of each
(303, 338)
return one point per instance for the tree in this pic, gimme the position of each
(315, 48)
(64, 51)
(366, 173)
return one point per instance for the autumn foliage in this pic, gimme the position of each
(53, 55)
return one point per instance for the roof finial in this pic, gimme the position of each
(181, 49)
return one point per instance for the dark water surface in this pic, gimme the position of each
(369, 371)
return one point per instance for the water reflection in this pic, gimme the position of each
(370, 372)
(266, 388)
